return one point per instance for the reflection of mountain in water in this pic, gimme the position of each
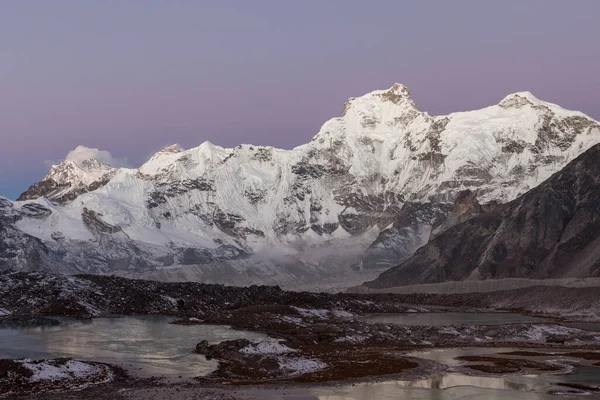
(445, 381)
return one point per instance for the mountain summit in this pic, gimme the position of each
(256, 214)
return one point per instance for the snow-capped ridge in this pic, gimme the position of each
(522, 99)
(74, 172)
(176, 163)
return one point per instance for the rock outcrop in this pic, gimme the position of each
(466, 206)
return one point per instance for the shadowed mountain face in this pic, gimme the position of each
(552, 231)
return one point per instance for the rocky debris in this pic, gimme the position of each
(176, 393)
(500, 365)
(243, 360)
(42, 376)
(14, 322)
(203, 347)
(39, 293)
(93, 221)
(550, 232)
(333, 346)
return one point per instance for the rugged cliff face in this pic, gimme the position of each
(466, 206)
(553, 231)
(410, 230)
(375, 179)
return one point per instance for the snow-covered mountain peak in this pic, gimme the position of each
(83, 169)
(380, 116)
(183, 164)
(399, 88)
(396, 99)
(78, 171)
(397, 92)
(83, 165)
(520, 99)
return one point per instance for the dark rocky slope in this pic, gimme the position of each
(552, 231)
(466, 206)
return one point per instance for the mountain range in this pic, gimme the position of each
(362, 196)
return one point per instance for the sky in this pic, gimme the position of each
(130, 77)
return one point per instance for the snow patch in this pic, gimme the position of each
(341, 314)
(298, 366)
(51, 371)
(292, 320)
(267, 348)
(539, 332)
(450, 330)
(352, 339)
(322, 313)
(312, 312)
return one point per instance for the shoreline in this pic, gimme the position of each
(324, 333)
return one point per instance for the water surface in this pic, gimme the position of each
(144, 345)
(442, 385)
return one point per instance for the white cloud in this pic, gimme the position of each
(83, 153)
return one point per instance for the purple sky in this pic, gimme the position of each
(132, 76)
